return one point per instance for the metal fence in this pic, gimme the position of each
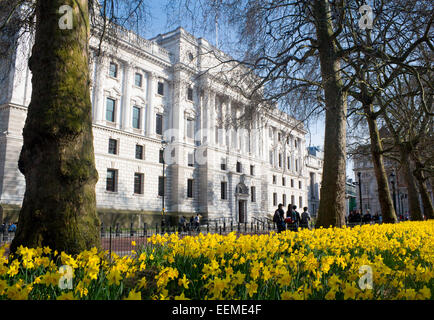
(119, 240)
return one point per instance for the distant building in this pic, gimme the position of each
(314, 166)
(369, 189)
(351, 196)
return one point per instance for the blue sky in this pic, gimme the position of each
(160, 24)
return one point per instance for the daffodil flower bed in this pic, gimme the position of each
(319, 264)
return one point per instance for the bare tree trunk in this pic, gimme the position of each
(426, 199)
(331, 210)
(386, 203)
(413, 198)
(57, 158)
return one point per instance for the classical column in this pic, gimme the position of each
(150, 118)
(100, 75)
(126, 98)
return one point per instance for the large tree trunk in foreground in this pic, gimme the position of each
(428, 209)
(331, 210)
(57, 158)
(413, 197)
(387, 210)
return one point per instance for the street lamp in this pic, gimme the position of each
(163, 209)
(360, 192)
(392, 181)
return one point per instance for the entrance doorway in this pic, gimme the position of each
(242, 211)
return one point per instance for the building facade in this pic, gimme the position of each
(365, 176)
(164, 134)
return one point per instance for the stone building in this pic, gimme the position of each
(365, 175)
(152, 112)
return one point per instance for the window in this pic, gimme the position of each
(280, 160)
(271, 157)
(252, 170)
(223, 187)
(284, 200)
(292, 183)
(283, 181)
(113, 146)
(191, 159)
(139, 152)
(161, 156)
(253, 194)
(223, 164)
(296, 143)
(113, 70)
(159, 124)
(111, 180)
(289, 163)
(296, 165)
(274, 179)
(190, 128)
(189, 188)
(274, 199)
(190, 94)
(293, 200)
(110, 110)
(239, 169)
(138, 183)
(279, 136)
(299, 185)
(161, 186)
(138, 80)
(136, 117)
(160, 88)
(300, 202)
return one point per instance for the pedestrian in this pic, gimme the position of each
(12, 227)
(367, 217)
(295, 218)
(278, 218)
(197, 222)
(191, 222)
(305, 218)
(181, 225)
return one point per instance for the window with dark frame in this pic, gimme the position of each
(300, 185)
(190, 128)
(159, 124)
(190, 94)
(113, 146)
(139, 152)
(280, 160)
(223, 187)
(111, 180)
(252, 170)
(138, 183)
(189, 188)
(274, 199)
(110, 110)
(113, 70)
(190, 159)
(160, 88)
(223, 164)
(161, 156)
(161, 186)
(138, 79)
(253, 193)
(136, 117)
(283, 181)
(284, 200)
(274, 179)
(239, 168)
